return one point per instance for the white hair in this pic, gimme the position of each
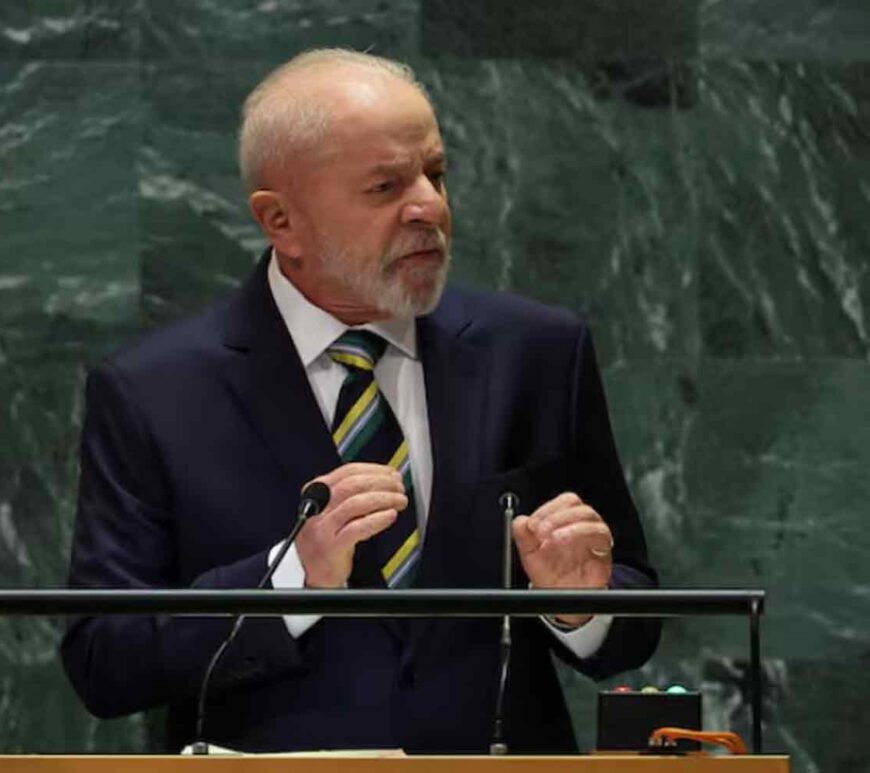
(276, 122)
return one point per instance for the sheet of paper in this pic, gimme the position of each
(219, 750)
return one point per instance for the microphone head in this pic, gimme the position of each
(509, 500)
(317, 493)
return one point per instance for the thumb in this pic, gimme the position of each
(524, 537)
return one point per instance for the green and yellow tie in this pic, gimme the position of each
(365, 430)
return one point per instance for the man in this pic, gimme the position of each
(198, 441)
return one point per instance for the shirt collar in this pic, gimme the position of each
(313, 330)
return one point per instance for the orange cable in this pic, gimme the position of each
(665, 736)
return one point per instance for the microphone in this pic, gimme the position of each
(315, 496)
(509, 502)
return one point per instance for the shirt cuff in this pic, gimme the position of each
(289, 575)
(586, 640)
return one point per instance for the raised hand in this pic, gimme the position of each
(364, 500)
(565, 544)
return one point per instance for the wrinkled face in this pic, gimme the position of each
(376, 222)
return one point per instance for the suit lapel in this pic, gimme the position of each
(271, 385)
(455, 368)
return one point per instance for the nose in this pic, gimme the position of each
(426, 204)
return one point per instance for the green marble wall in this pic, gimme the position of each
(691, 174)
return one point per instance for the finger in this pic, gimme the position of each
(361, 505)
(557, 503)
(363, 482)
(543, 526)
(366, 527)
(525, 539)
(354, 468)
(583, 539)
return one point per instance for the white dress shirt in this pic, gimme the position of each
(399, 374)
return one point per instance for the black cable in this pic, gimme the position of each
(314, 498)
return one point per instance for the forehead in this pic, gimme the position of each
(384, 120)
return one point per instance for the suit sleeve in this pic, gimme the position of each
(124, 538)
(601, 483)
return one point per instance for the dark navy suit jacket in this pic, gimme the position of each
(196, 444)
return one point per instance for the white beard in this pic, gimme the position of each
(383, 288)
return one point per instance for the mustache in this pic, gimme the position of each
(418, 241)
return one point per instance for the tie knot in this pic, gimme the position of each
(360, 349)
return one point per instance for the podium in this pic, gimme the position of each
(408, 603)
(596, 763)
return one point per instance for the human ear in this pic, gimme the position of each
(272, 211)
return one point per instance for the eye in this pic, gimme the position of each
(385, 186)
(438, 178)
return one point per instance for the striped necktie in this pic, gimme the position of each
(365, 430)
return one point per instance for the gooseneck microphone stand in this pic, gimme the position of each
(509, 503)
(315, 497)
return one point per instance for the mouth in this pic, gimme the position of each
(434, 253)
(427, 259)
(421, 248)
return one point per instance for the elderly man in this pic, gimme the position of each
(344, 359)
